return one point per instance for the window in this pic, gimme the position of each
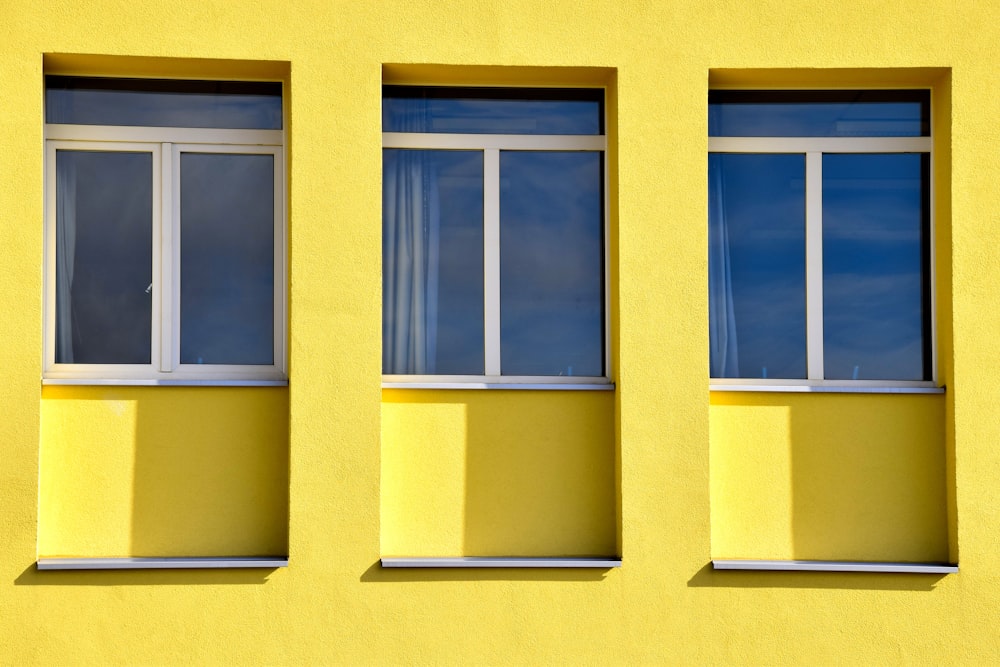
(165, 233)
(493, 235)
(820, 237)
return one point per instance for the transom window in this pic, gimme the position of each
(820, 236)
(164, 232)
(493, 235)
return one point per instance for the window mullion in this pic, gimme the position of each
(814, 265)
(491, 260)
(164, 293)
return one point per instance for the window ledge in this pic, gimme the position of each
(164, 383)
(541, 386)
(503, 561)
(223, 562)
(834, 566)
(829, 388)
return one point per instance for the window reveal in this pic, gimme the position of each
(493, 234)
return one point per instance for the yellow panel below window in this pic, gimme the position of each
(828, 477)
(163, 471)
(498, 473)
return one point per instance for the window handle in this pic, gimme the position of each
(150, 288)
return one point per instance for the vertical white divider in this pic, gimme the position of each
(814, 265)
(491, 260)
(49, 320)
(163, 263)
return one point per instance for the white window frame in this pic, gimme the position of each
(165, 144)
(813, 149)
(490, 145)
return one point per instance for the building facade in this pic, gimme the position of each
(520, 333)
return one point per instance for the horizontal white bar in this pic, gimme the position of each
(498, 385)
(177, 135)
(834, 566)
(819, 144)
(519, 142)
(504, 561)
(149, 382)
(161, 563)
(828, 388)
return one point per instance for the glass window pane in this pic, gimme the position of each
(492, 110)
(163, 103)
(104, 231)
(227, 258)
(822, 113)
(432, 262)
(757, 297)
(551, 264)
(876, 314)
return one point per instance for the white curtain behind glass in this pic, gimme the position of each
(724, 353)
(411, 222)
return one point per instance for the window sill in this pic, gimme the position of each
(145, 382)
(504, 561)
(834, 566)
(518, 386)
(830, 388)
(222, 562)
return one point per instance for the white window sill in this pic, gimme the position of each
(146, 382)
(834, 566)
(505, 561)
(830, 388)
(162, 563)
(518, 386)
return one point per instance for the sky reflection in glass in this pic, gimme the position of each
(551, 251)
(104, 229)
(493, 111)
(875, 287)
(757, 203)
(857, 113)
(163, 103)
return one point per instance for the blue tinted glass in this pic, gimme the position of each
(875, 288)
(757, 297)
(163, 103)
(491, 111)
(903, 113)
(227, 258)
(551, 257)
(104, 236)
(432, 262)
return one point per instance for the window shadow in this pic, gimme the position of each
(708, 577)
(32, 576)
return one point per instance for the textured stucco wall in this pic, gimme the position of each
(664, 605)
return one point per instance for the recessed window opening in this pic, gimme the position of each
(165, 238)
(493, 235)
(820, 236)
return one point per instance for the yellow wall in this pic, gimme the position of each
(91, 471)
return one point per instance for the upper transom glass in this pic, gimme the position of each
(819, 113)
(492, 110)
(236, 105)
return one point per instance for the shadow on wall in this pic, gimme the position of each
(31, 576)
(707, 577)
(164, 471)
